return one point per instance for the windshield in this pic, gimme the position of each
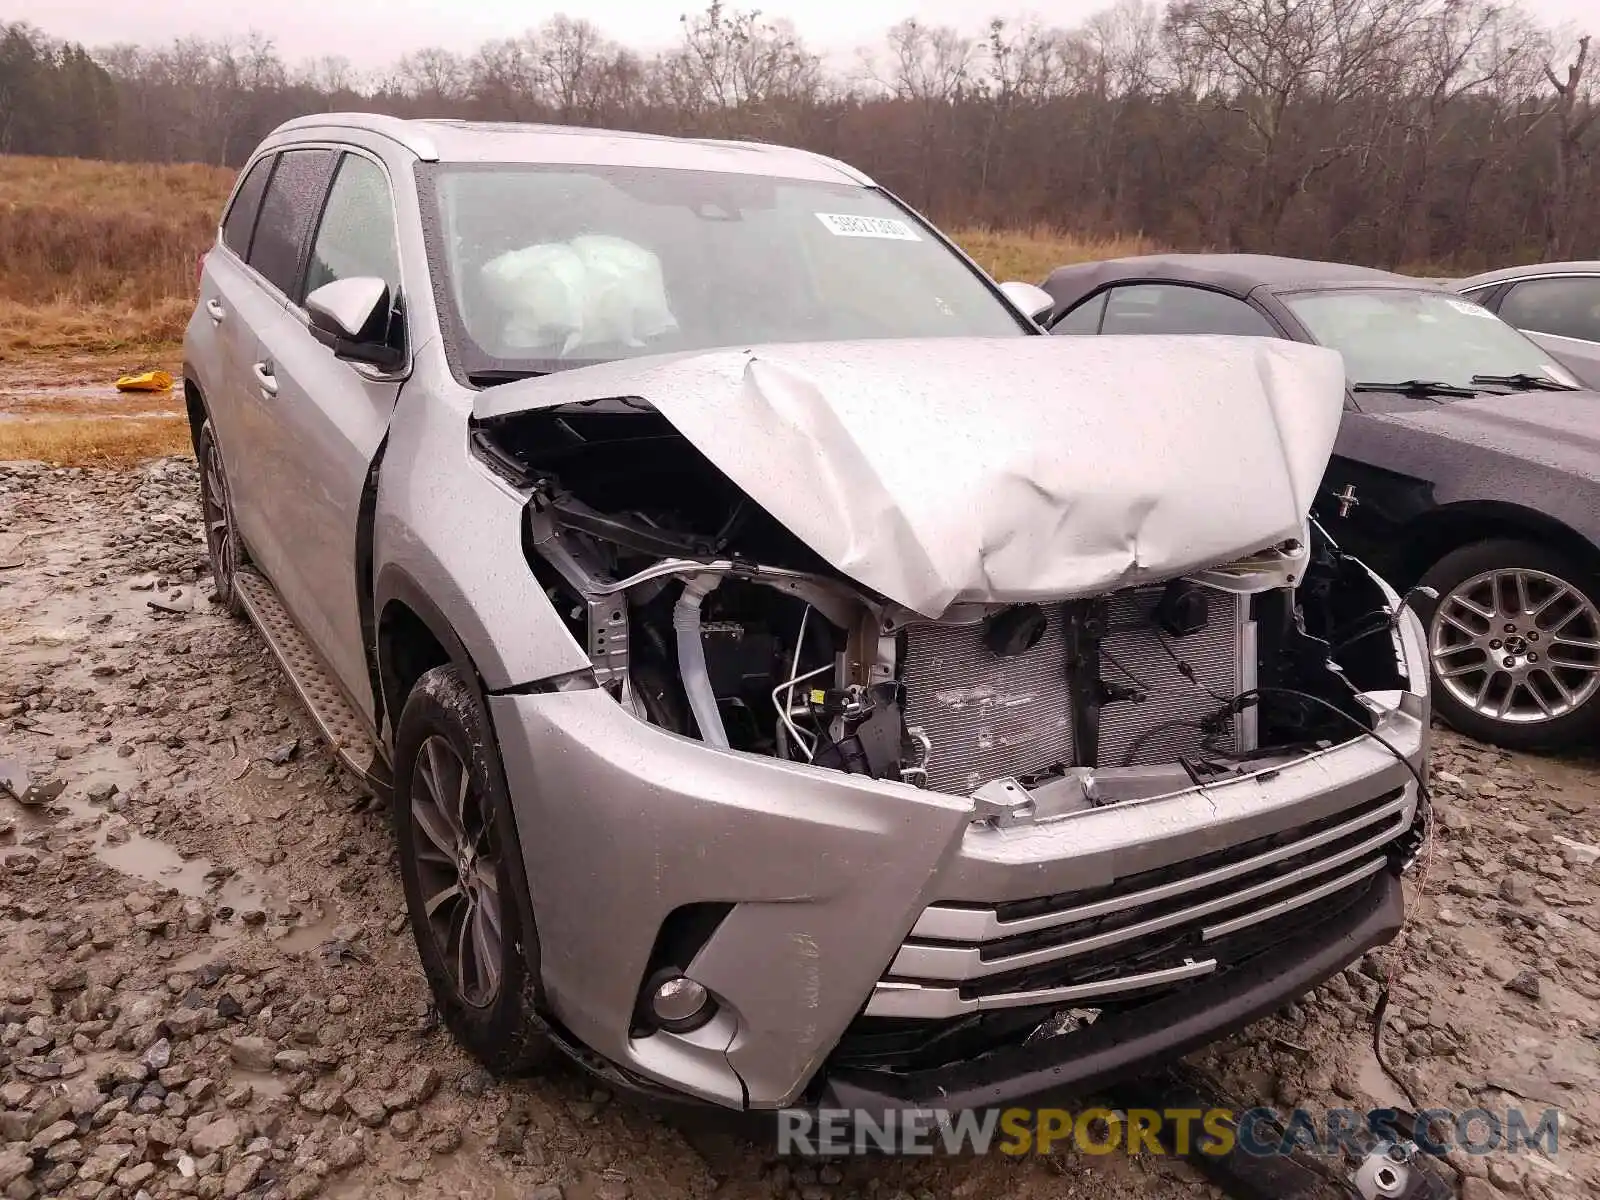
(1393, 336)
(541, 268)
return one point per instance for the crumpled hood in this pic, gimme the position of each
(1000, 469)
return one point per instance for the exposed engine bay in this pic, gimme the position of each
(705, 616)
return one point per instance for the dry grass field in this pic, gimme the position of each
(97, 277)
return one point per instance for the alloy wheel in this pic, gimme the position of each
(458, 865)
(1517, 645)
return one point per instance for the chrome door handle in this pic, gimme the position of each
(265, 379)
(215, 310)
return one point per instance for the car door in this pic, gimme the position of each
(1562, 314)
(326, 419)
(220, 359)
(289, 207)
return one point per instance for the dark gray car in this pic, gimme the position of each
(1468, 460)
(1555, 304)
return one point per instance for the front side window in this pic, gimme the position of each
(542, 268)
(1179, 308)
(288, 211)
(357, 234)
(1395, 335)
(240, 222)
(1567, 307)
(1083, 319)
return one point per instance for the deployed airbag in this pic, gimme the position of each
(1000, 470)
(593, 290)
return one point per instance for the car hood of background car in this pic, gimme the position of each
(1559, 430)
(999, 470)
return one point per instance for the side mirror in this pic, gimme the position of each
(1029, 299)
(351, 316)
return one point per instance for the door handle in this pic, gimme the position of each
(215, 310)
(265, 379)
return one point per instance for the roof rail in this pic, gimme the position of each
(407, 133)
(843, 168)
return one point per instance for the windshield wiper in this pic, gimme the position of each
(501, 375)
(1532, 383)
(1416, 387)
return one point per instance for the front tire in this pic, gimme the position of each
(1514, 644)
(462, 871)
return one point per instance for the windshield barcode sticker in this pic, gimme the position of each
(847, 225)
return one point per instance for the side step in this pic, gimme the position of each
(316, 686)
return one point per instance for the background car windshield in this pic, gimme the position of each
(1391, 336)
(556, 267)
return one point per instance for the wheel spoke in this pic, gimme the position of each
(1486, 613)
(442, 775)
(1577, 610)
(462, 938)
(1505, 699)
(1576, 642)
(1538, 698)
(426, 817)
(1458, 623)
(1457, 672)
(432, 905)
(1523, 604)
(1483, 689)
(488, 880)
(486, 954)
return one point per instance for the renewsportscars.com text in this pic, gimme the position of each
(1261, 1132)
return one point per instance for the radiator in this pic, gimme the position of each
(986, 717)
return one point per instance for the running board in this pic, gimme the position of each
(339, 723)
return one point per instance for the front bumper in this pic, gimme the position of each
(1117, 1048)
(843, 896)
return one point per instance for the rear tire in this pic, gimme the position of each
(462, 870)
(223, 548)
(1514, 644)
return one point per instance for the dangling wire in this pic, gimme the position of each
(783, 694)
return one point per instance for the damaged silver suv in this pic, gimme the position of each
(798, 680)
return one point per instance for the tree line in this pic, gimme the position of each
(1391, 132)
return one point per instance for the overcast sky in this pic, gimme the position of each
(373, 33)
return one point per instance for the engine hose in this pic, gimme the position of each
(692, 659)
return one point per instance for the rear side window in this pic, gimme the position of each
(1565, 307)
(1178, 308)
(241, 218)
(288, 211)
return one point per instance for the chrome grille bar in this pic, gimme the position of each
(904, 999)
(948, 924)
(961, 963)
(1321, 891)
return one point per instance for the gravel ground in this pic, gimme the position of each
(207, 986)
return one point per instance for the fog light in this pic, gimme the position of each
(679, 1004)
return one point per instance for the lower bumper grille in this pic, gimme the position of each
(1141, 934)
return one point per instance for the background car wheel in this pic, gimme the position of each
(222, 536)
(1514, 641)
(463, 875)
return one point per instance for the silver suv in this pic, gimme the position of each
(797, 680)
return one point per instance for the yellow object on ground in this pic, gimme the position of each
(145, 381)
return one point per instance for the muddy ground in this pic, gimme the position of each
(208, 988)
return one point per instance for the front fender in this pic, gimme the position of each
(448, 534)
